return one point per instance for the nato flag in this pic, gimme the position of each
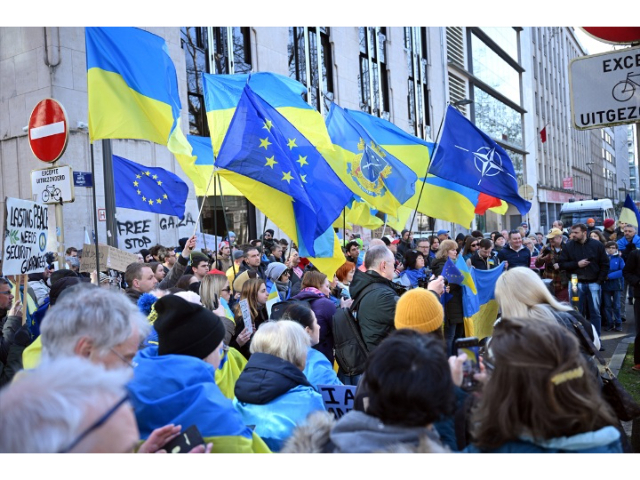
(468, 156)
(149, 189)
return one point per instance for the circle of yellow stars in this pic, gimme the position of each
(137, 185)
(271, 161)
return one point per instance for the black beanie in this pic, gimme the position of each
(185, 328)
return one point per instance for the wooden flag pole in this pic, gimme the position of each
(25, 303)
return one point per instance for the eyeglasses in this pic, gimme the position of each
(474, 245)
(97, 424)
(132, 364)
(228, 289)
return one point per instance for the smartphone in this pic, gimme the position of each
(185, 442)
(471, 366)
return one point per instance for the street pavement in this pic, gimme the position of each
(616, 343)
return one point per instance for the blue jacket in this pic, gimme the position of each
(623, 242)
(275, 396)
(412, 275)
(319, 370)
(521, 258)
(605, 440)
(614, 279)
(180, 389)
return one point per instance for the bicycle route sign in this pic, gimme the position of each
(48, 130)
(605, 89)
(52, 185)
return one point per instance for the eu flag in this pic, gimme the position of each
(149, 189)
(468, 156)
(263, 145)
(451, 273)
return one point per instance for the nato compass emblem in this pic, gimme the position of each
(369, 169)
(488, 162)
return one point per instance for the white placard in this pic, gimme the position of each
(52, 185)
(26, 233)
(205, 240)
(246, 315)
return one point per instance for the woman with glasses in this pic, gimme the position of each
(414, 272)
(539, 397)
(215, 291)
(454, 316)
(278, 274)
(470, 247)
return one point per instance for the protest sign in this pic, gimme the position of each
(26, 234)
(110, 258)
(246, 315)
(338, 399)
(205, 240)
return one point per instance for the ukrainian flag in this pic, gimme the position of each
(132, 91)
(481, 308)
(440, 198)
(629, 213)
(203, 153)
(358, 212)
(273, 298)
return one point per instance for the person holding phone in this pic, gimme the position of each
(539, 397)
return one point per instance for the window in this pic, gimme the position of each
(374, 85)
(241, 46)
(299, 55)
(194, 43)
(415, 42)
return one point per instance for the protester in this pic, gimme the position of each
(420, 310)
(442, 235)
(215, 292)
(598, 235)
(316, 290)
(293, 263)
(587, 259)
(223, 261)
(549, 258)
(278, 274)
(609, 230)
(435, 244)
(232, 272)
(515, 254)
(611, 289)
(40, 284)
(184, 364)
(10, 324)
(158, 271)
(471, 245)
(499, 242)
(272, 393)
(407, 386)
(344, 275)
(317, 369)
(591, 225)
(554, 407)
(168, 260)
(352, 250)
(414, 273)
(254, 291)
(631, 274)
(484, 258)
(252, 261)
(406, 242)
(185, 280)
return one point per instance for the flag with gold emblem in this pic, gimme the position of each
(149, 189)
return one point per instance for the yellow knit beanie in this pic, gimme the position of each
(420, 310)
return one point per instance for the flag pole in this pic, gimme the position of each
(226, 226)
(215, 218)
(195, 229)
(95, 209)
(344, 225)
(427, 172)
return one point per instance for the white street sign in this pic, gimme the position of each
(605, 89)
(53, 185)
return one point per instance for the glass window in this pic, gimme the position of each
(497, 119)
(506, 38)
(374, 98)
(241, 49)
(418, 96)
(489, 67)
(194, 44)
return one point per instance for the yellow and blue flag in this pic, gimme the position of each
(149, 189)
(273, 298)
(629, 213)
(262, 145)
(358, 212)
(370, 171)
(203, 154)
(439, 198)
(480, 309)
(132, 91)
(458, 273)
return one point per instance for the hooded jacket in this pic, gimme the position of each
(357, 432)
(324, 310)
(275, 396)
(605, 440)
(377, 311)
(180, 389)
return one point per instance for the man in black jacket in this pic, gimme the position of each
(515, 254)
(484, 258)
(377, 310)
(631, 273)
(586, 258)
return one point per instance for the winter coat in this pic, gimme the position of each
(259, 320)
(625, 246)
(521, 258)
(180, 389)
(324, 310)
(9, 325)
(412, 276)
(614, 279)
(275, 396)
(605, 440)
(260, 270)
(318, 370)
(482, 263)
(592, 250)
(453, 313)
(377, 311)
(169, 280)
(631, 272)
(357, 432)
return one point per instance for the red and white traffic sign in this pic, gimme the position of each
(48, 130)
(615, 35)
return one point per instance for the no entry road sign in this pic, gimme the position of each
(48, 130)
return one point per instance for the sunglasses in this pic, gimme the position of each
(97, 424)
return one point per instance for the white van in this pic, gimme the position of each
(581, 210)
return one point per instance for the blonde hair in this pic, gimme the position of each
(444, 248)
(211, 284)
(284, 339)
(522, 294)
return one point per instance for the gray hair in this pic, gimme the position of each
(375, 255)
(375, 242)
(285, 339)
(50, 404)
(105, 316)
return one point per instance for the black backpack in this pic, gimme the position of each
(350, 350)
(278, 308)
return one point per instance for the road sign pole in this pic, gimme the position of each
(60, 230)
(109, 194)
(95, 213)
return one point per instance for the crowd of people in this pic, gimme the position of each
(190, 338)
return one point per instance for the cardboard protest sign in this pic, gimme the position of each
(25, 237)
(246, 315)
(110, 258)
(338, 399)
